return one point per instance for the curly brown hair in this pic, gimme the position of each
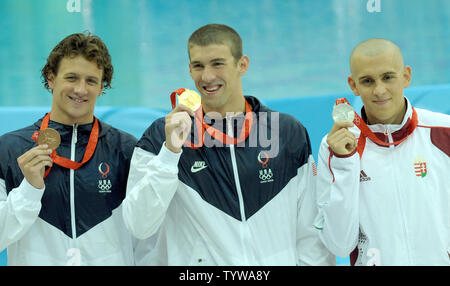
(87, 45)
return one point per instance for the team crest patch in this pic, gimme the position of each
(104, 184)
(265, 174)
(420, 166)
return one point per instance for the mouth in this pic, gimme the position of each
(211, 89)
(382, 102)
(77, 100)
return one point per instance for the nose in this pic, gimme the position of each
(80, 88)
(207, 74)
(380, 89)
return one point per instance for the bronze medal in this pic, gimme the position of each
(50, 137)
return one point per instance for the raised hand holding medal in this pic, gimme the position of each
(341, 141)
(33, 162)
(190, 100)
(178, 122)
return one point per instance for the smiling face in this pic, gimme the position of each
(380, 80)
(75, 89)
(217, 77)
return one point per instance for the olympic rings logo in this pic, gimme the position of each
(104, 185)
(265, 174)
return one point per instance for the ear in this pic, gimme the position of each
(190, 70)
(352, 85)
(51, 80)
(406, 76)
(243, 65)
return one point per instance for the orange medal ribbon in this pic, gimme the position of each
(201, 126)
(366, 132)
(64, 162)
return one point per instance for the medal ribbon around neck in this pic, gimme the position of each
(366, 132)
(201, 126)
(66, 163)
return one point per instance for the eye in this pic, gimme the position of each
(92, 81)
(197, 66)
(71, 78)
(388, 77)
(218, 64)
(367, 81)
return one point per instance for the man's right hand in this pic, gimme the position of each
(178, 126)
(32, 164)
(340, 139)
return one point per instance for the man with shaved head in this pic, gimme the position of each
(382, 184)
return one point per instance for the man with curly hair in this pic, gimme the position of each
(62, 206)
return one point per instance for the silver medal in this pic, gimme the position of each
(343, 112)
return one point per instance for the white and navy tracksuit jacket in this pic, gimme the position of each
(77, 218)
(226, 205)
(391, 206)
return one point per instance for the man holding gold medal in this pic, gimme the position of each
(62, 179)
(206, 190)
(382, 183)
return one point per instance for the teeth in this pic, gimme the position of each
(212, 89)
(77, 100)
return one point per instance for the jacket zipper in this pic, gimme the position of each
(72, 184)
(400, 199)
(244, 231)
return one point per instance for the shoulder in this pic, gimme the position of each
(439, 126)
(153, 137)
(18, 139)
(13, 145)
(285, 122)
(432, 119)
(123, 140)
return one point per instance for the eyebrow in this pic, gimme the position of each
(383, 74)
(211, 61)
(75, 74)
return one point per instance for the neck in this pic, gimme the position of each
(396, 119)
(66, 120)
(233, 109)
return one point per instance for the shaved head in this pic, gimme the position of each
(372, 48)
(379, 77)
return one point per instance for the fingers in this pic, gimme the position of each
(33, 162)
(177, 128)
(339, 125)
(33, 153)
(341, 140)
(181, 108)
(39, 159)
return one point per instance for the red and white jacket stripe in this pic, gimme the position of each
(389, 206)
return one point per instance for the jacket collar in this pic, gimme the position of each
(65, 131)
(397, 131)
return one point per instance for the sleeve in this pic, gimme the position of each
(310, 249)
(152, 183)
(18, 211)
(337, 188)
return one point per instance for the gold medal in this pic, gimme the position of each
(50, 137)
(191, 99)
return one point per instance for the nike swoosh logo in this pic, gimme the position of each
(195, 170)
